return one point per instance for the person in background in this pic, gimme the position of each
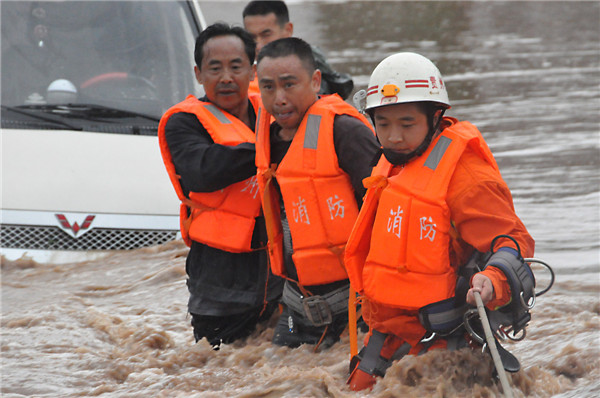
(311, 162)
(268, 21)
(207, 145)
(435, 200)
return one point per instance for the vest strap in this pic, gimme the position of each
(443, 317)
(516, 313)
(372, 362)
(318, 309)
(193, 205)
(446, 316)
(518, 274)
(185, 224)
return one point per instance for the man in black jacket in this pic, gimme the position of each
(231, 287)
(268, 21)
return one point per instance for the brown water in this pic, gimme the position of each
(527, 74)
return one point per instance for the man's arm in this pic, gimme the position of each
(356, 148)
(481, 207)
(203, 165)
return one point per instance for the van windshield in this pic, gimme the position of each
(134, 56)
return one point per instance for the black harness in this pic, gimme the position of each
(452, 319)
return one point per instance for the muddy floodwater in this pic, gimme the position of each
(526, 73)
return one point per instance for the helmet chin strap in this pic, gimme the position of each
(400, 159)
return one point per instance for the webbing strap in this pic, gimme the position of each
(442, 317)
(522, 287)
(518, 274)
(371, 353)
(445, 316)
(318, 309)
(372, 362)
(192, 205)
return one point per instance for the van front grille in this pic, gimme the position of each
(36, 237)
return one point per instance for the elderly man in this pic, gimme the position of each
(208, 148)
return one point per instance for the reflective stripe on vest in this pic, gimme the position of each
(311, 136)
(437, 153)
(217, 113)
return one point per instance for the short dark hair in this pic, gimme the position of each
(265, 8)
(290, 46)
(222, 29)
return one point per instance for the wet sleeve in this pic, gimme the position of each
(356, 149)
(203, 165)
(481, 208)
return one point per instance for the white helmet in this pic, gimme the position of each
(406, 77)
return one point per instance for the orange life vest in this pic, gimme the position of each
(398, 252)
(317, 194)
(222, 219)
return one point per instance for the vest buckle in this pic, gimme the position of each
(317, 310)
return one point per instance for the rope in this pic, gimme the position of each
(491, 343)
(316, 349)
(352, 329)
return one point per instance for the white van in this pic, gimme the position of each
(84, 84)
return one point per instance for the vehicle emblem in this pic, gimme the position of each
(74, 229)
